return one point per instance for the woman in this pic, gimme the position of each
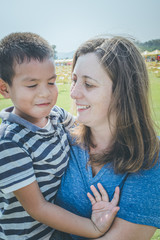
(115, 141)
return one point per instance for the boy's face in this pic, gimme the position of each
(33, 91)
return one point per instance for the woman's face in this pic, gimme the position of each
(92, 90)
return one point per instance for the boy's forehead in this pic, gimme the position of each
(34, 69)
(32, 61)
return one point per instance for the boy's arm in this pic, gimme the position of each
(52, 215)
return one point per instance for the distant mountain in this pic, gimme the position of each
(65, 55)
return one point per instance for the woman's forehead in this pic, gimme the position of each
(89, 65)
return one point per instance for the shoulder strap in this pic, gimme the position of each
(121, 185)
(123, 182)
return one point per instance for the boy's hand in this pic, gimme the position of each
(103, 211)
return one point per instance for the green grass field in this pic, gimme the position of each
(155, 94)
(65, 102)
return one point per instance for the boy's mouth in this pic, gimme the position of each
(43, 104)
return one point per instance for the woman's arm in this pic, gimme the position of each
(52, 215)
(124, 230)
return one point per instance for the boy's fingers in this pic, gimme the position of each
(115, 199)
(96, 193)
(91, 198)
(103, 192)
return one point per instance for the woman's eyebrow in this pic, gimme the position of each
(86, 76)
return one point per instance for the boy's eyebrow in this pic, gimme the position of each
(28, 79)
(54, 76)
(35, 79)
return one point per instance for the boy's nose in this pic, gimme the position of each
(44, 92)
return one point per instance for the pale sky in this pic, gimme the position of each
(68, 23)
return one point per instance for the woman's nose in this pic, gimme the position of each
(76, 91)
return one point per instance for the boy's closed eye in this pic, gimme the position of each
(51, 83)
(52, 80)
(32, 86)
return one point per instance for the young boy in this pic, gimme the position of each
(34, 147)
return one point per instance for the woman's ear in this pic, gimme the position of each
(4, 89)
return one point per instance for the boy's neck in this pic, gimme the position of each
(40, 122)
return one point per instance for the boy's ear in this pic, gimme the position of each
(4, 89)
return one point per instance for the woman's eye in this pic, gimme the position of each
(73, 82)
(88, 85)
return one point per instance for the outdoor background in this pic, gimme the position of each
(63, 83)
(68, 23)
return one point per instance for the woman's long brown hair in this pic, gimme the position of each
(136, 145)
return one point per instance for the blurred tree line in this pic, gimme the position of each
(149, 45)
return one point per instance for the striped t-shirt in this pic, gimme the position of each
(29, 153)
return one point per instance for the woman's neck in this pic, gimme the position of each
(102, 139)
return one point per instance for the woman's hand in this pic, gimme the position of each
(103, 211)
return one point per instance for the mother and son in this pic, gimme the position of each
(55, 169)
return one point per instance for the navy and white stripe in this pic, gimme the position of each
(29, 153)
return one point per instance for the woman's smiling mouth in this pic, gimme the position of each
(82, 107)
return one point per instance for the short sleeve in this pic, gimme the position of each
(140, 198)
(65, 117)
(16, 168)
